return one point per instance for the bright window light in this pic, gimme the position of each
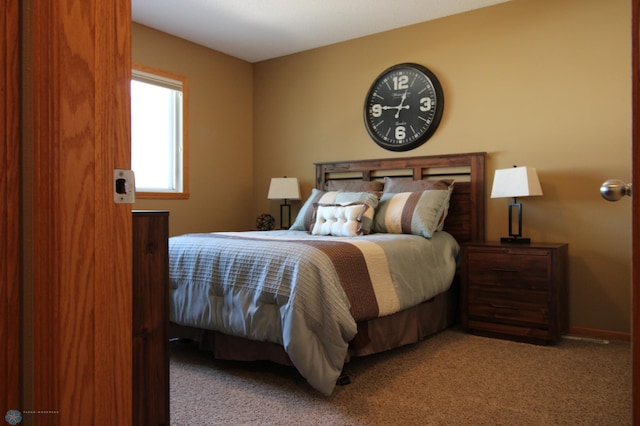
(157, 129)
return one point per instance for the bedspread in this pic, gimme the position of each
(301, 291)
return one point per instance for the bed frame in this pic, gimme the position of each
(465, 221)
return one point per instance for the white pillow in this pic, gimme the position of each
(339, 220)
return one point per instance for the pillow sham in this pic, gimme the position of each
(419, 213)
(305, 217)
(355, 185)
(339, 220)
(409, 185)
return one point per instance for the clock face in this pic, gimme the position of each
(403, 107)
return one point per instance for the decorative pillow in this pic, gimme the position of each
(305, 218)
(355, 185)
(419, 213)
(367, 198)
(339, 220)
(409, 185)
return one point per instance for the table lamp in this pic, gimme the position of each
(284, 188)
(515, 182)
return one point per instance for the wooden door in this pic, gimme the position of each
(9, 208)
(77, 131)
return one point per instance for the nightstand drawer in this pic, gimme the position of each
(509, 270)
(523, 307)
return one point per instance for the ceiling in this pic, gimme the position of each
(256, 30)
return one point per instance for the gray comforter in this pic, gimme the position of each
(301, 291)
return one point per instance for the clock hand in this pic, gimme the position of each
(401, 106)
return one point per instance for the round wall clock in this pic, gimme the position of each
(403, 107)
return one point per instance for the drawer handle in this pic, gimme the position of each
(493, 305)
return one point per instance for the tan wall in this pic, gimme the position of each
(542, 83)
(220, 134)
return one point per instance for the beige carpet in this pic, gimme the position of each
(451, 379)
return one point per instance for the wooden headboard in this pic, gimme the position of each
(465, 220)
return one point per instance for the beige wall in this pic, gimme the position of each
(542, 83)
(220, 145)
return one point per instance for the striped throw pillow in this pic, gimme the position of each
(419, 213)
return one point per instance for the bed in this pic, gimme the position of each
(354, 275)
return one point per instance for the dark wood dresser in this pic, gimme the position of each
(515, 291)
(150, 317)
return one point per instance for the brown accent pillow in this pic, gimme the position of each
(396, 185)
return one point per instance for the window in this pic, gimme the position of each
(158, 136)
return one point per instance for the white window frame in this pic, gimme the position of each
(178, 156)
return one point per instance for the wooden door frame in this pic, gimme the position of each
(10, 207)
(635, 203)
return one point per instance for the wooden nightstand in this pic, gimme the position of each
(150, 318)
(515, 291)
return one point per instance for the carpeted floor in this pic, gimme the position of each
(451, 379)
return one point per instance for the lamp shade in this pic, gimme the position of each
(515, 182)
(285, 188)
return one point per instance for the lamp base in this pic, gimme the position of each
(284, 207)
(515, 240)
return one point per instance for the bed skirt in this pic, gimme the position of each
(377, 335)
